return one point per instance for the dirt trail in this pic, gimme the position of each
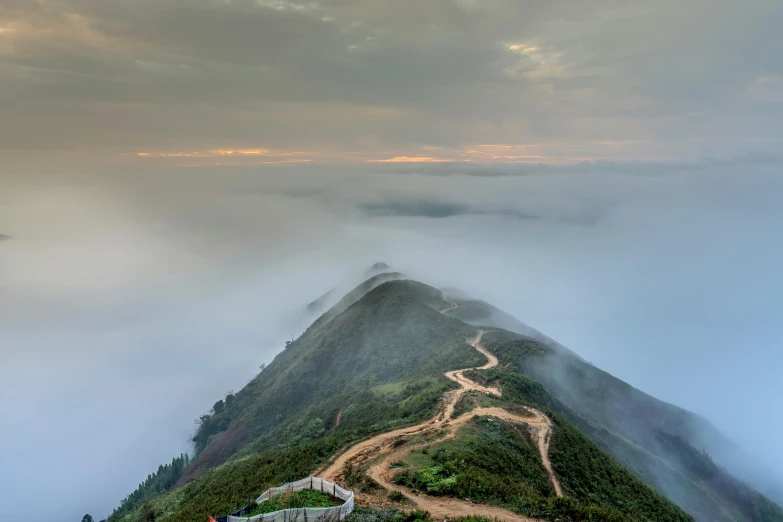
(337, 420)
(539, 425)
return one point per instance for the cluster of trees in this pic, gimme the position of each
(213, 423)
(159, 482)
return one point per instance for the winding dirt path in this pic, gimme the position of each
(539, 425)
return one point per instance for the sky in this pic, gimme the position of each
(179, 177)
(216, 81)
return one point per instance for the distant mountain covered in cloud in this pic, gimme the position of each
(433, 209)
(4, 237)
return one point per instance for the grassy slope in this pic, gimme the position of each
(385, 336)
(389, 336)
(604, 399)
(380, 362)
(350, 298)
(639, 431)
(489, 461)
(496, 462)
(373, 274)
(477, 312)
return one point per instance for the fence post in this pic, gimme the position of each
(311, 484)
(334, 489)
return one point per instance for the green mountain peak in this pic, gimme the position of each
(404, 367)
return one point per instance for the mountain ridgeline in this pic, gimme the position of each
(375, 362)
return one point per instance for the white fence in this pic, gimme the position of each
(330, 514)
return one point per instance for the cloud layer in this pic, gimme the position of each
(135, 291)
(133, 300)
(371, 79)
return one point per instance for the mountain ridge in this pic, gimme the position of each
(393, 337)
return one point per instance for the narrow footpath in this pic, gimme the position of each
(538, 424)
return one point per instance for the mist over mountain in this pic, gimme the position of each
(372, 362)
(238, 237)
(180, 284)
(353, 288)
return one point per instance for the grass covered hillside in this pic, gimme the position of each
(644, 434)
(610, 402)
(374, 363)
(496, 462)
(349, 298)
(378, 365)
(371, 281)
(386, 336)
(481, 313)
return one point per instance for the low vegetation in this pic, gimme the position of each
(307, 498)
(364, 514)
(380, 363)
(497, 463)
(382, 366)
(490, 461)
(388, 336)
(590, 476)
(638, 431)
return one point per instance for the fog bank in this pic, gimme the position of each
(131, 300)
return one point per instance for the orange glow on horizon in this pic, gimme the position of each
(413, 159)
(215, 153)
(522, 157)
(477, 153)
(243, 164)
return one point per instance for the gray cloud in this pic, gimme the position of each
(373, 76)
(4, 237)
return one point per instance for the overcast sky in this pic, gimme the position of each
(502, 80)
(179, 177)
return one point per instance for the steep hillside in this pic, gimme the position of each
(481, 313)
(377, 361)
(349, 298)
(385, 336)
(369, 282)
(377, 365)
(603, 399)
(646, 435)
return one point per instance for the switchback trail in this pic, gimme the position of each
(539, 425)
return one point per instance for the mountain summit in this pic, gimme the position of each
(430, 401)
